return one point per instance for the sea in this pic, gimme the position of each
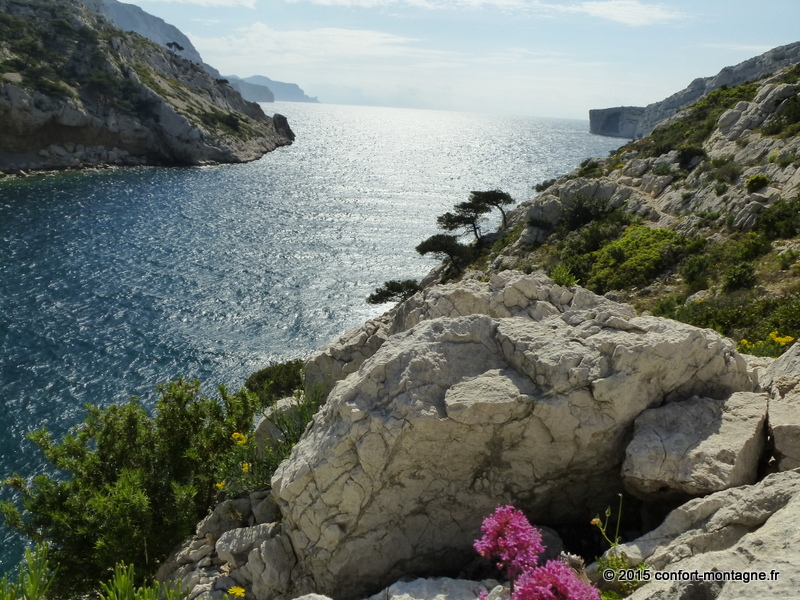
(116, 280)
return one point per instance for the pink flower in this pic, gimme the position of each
(510, 538)
(553, 581)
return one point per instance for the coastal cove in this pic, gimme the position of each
(117, 280)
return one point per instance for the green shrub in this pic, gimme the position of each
(276, 381)
(783, 160)
(662, 170)
(636, 258)
(217, 119)
(580, 210)
(540, 187)
(720, 188)
(695, 271)
(128, 486)
(725, 170)
(750, 246)
(561, 275)
(786, 122)
(773, 346)
(739, 277)
(247, 466)
(590, 169)
(788, 258)
(698, 123)
(756, 182)
(754, 320)
(780, 220)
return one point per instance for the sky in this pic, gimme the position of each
(539, 58)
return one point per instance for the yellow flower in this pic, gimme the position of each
(782, 341)
(239, 438)
(245, 467)
(221, 485)
(596, 521)
(236, 591)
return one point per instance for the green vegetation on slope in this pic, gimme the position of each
(697, 124)
(127, 485)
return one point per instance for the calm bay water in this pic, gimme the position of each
(117, 280)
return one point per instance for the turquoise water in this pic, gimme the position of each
(114, 281)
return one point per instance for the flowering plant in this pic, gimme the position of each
(553, 581)
(509, 537)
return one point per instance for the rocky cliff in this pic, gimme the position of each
(130, 17)
(500, 386)
(636, 122)
(77, 91)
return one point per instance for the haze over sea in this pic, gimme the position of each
(114, 281)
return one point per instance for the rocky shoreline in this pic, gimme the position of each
(114, 98)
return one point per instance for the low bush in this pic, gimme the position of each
(725, 170)
(561, 275)
(581, 210)
(742, 315)
(276, 381)
(540, 187)
(780, 220)
(786, 121)
(698, 121)
(739, 277)
(590, 169)
(637, 257)
(127, 486)
(756, 182)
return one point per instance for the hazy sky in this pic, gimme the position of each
(527, 57)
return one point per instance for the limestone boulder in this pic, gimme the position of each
(696, 447)
(750, 529)
(455, 415)
(506, 294)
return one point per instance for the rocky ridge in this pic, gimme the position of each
(633, 122)
(505, 387)
(669, 193)
(76, 91)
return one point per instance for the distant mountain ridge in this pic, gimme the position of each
(637, 122)
(284, 92)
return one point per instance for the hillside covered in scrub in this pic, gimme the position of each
(77, 91)
(698, 222)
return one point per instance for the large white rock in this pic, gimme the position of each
(456, 415)
(696, 447)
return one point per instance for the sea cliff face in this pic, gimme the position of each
(505, 387)
(76, 91)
